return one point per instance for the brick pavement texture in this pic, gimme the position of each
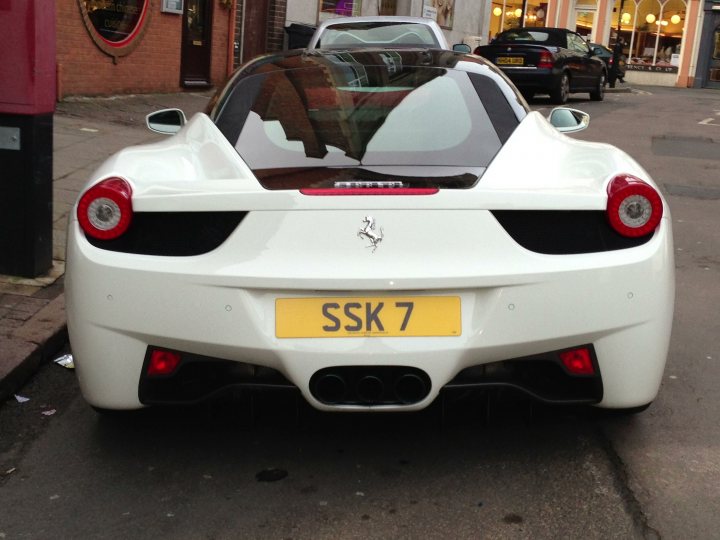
(86, 132)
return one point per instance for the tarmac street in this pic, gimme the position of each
(203, 473)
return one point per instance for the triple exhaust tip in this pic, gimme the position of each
(405, 389)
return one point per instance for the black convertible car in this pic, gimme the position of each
(553, 61)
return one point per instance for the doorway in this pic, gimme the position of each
(713, 80)
(585, 21)
(196, 43)
(255, 29)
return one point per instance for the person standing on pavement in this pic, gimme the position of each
(616, 74)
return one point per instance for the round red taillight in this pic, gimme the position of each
(105, 210)
(634, 207)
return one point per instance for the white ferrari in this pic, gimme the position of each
(373, 228)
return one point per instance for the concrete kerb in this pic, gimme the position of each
(35, 343)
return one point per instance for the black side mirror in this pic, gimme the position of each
(166, 121)
(568, 120)
(462, 47)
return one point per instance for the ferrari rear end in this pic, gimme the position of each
(366, 228)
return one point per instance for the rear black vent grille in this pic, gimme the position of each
(539, 376)
(564, 232)
(174, 234)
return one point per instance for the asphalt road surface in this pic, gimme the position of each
(469, 467)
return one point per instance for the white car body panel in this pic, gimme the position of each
(218, 179)
(222, 303)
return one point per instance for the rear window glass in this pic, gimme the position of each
(526, 35)
(359, 115)
(377, 34)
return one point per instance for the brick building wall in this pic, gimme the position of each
(275, 31)
(238, 31)
(276, 25)
(153, 66)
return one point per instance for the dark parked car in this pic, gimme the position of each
(553, 61)
(606, 55)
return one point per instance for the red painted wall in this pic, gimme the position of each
(153, 66)
(27, 64)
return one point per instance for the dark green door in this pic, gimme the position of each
(713, 80)
(196, 43)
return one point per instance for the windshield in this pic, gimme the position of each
(377, 34)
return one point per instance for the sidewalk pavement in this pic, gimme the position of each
(86, 131)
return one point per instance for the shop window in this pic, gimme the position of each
(652, 31)
(387, 7)
(115, 26)
(505, 15)
(339, 8)
(442, 11)
(715, 66)
(584, 19)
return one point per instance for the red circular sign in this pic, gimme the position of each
(115, 25)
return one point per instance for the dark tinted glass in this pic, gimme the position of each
(350, 115)
(527, 35)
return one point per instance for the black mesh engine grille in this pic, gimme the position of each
(564, 232)
(173, 234)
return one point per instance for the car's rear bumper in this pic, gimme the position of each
(533, 78)
(514, 303)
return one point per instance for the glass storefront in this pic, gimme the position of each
(584, 19)
(652, 30)
(507, 14)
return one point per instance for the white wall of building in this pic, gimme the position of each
(301, 11)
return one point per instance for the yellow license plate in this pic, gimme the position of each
(509, 61)
(381, 316)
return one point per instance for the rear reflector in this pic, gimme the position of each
(578, 361)
(369, 191)
(163, 362)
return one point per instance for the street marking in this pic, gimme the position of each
(710, 121)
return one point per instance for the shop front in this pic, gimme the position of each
(655, 34)
(123, 46)
(661, 37)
